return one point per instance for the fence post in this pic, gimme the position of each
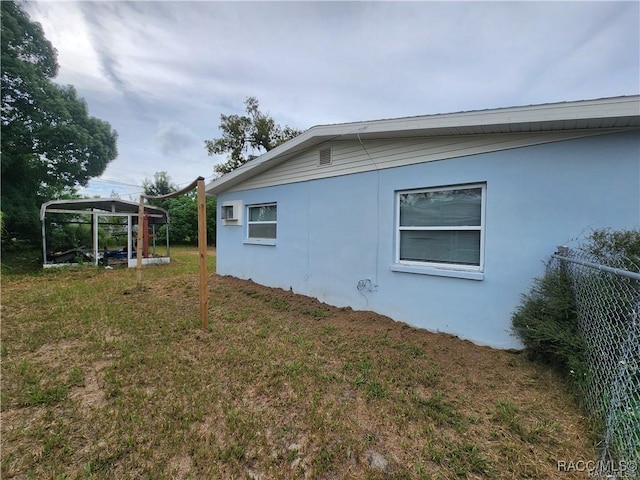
(563, 251)
(202, 247)
(563, 266)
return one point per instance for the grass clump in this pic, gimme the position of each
(35, 386)
(441, 410)
(510, 415)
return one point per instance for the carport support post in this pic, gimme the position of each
(202, 247)
(44, 242)
(139, 243)
(94, 232)
(129, 239)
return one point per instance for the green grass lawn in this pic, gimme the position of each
(101, 379)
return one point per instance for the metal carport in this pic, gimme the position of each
(106, 207)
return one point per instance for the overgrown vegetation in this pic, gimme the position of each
(547, 322)
(103, 380)
(620, 245)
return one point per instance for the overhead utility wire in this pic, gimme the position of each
(159, 152)
(141, 192)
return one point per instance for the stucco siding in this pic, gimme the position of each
(335, 231)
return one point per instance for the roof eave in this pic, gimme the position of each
(253, 167)
(606, 108)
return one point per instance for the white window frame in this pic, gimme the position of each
(260, 240)
(411, 265)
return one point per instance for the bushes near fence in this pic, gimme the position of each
(583, 319)
(547, 324)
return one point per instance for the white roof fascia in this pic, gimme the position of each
(604, 108)
(240, 173)
(582, 110)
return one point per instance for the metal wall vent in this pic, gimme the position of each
(325, 156)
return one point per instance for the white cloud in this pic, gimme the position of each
(162, 72)
(65, 28)
(174, 138)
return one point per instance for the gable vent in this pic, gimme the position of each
(325, 156)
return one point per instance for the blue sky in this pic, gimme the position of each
(162, 72)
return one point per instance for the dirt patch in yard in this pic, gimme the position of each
(91, 394)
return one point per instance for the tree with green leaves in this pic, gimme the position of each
(244, 137)
(160, 185)
(50, 144)
(183, 215)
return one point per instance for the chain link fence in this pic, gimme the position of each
(607, 296)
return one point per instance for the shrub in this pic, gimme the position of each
(620, 246)
(547, 324)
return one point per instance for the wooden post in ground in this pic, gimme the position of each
(202, 247)
(139, 242)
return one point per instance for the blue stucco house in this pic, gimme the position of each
(439, 221)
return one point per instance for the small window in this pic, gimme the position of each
(262, 223)
(441, 227)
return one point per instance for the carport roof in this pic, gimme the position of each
(92, 206)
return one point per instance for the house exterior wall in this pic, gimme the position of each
(334, 232)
